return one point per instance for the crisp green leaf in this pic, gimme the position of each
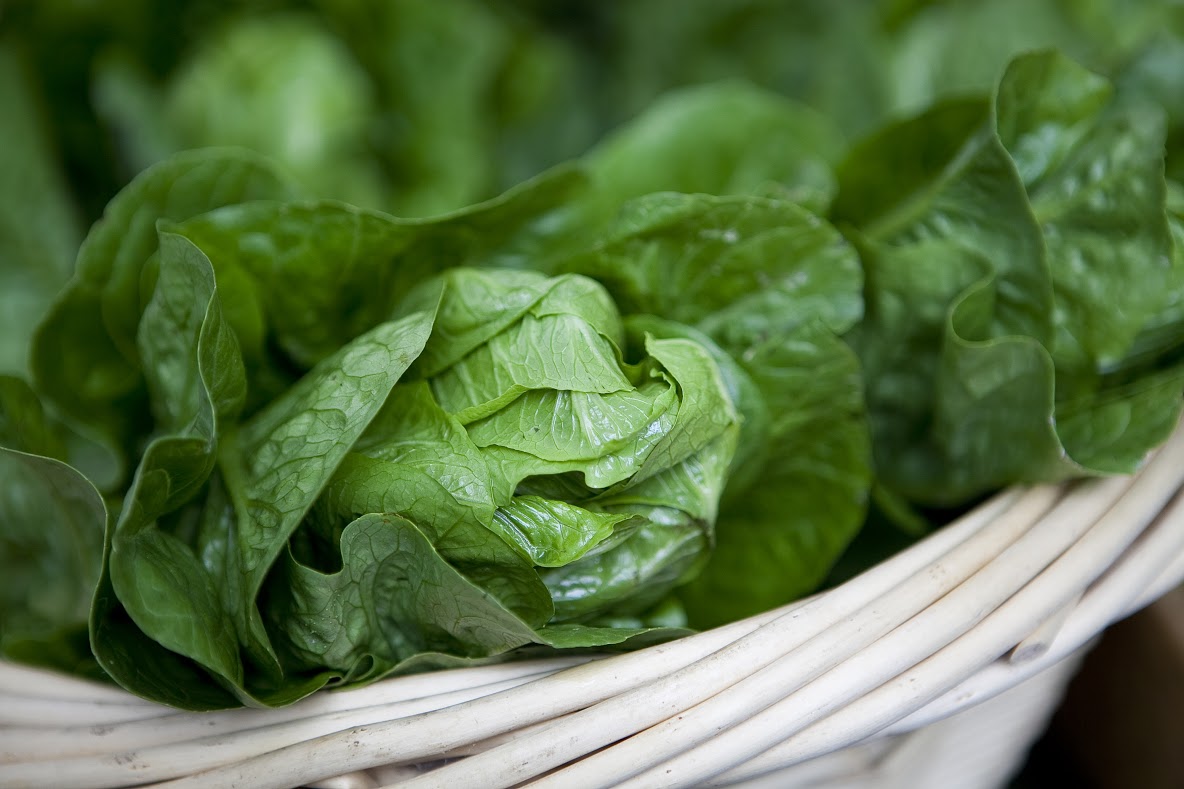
(738, 265)
(750, 406)
(569, 340)
(1094, 175)
(632, 576)
(693, 486)
(84, 354)
(781, 530)
(416, 460)
(413, 431)
(704, 408)
(282, 458)
(475, 306)
(552, 533)
(558, 425)
(196, 380)
(664, 545)
(395, 597)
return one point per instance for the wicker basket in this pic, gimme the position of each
(879, 682)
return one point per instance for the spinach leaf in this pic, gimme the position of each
(1094, 175)
(289, 297)
(1093, 167)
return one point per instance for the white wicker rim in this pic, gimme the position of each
(1000, 595)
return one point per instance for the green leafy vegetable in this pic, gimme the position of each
(263, 442)
(84, 353)
(993, 273)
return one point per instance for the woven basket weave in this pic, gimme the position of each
(878, 682)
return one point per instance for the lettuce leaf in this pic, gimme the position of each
(995, 263)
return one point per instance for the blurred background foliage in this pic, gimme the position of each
(422, 106)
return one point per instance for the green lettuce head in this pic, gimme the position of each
(336, 450)
(566, 464)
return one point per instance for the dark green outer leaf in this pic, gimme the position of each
(957, 218)
(943, 178)
(1093, 168)
(196, 378)
(312, 308)
(50, 550)
(394, 598)
(739, 265)
(301, 437)
(93, 374)
(284, 456)
(992, 423)
(969, 376)
(779, 531)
